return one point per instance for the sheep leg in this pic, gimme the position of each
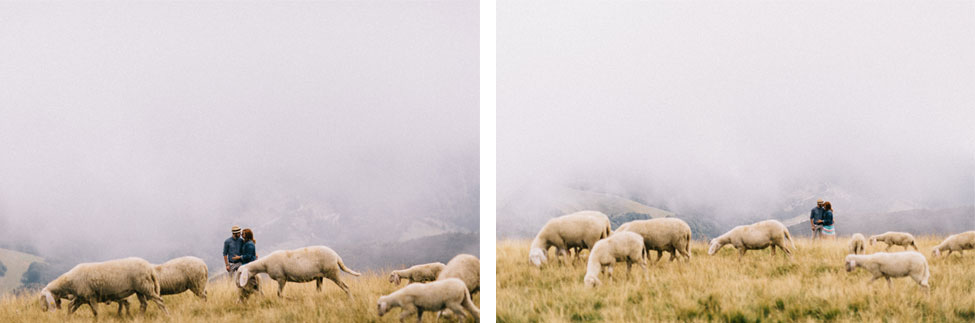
(457, 309)
(660, 255)
(773, 249)
(408, 310)
(75, 304)
(563, 254)
(629, 265)
(890, 283)
(93, 304)
(609, 271)
(741, 253)
(318, 284)
(143, 305)
(281, 283)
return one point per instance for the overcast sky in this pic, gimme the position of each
(142, 122)
(734, 105)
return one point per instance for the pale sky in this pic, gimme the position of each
(735, 104)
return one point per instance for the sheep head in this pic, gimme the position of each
(394, 278)
(537, 257)
(49, 303)
(382, 306)
(850, 264)
(592, 281)
(714, 246)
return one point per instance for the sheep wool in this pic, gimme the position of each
(298, 265)
(759, 235)
(626, 246)
(672, 235)
(577, 231)
(416, 298)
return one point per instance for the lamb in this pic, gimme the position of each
(759, 235)
(622, 245)
(299, 265)
(956, 242)
(182, 274)
(667, 234)
(417, 274)
(858, 244)
(114, 280)
(892, 265)
(450, 293)
(465, 267)
(576, 231)
(891, 238)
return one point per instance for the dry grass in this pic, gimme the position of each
(813, 286)
(303, 304)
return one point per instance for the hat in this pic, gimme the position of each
(819, 201)
(235, 229)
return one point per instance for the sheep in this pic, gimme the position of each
(956, 242)
(858, 244)
(894, 238)
(759, 235)
(667, 234)
(627, 246)
(417, 274)
(892, 265)
(182, 274)
(114, 280)
(465, 267)
(576, 231)
(450, 293)
(299, 265)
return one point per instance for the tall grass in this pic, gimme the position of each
(301, 304)
(813, 286)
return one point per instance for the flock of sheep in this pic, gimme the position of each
(433, 287)
(632, 241)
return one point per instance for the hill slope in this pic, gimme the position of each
(16, 263)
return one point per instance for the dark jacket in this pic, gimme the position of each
(231, 248)
(248, 253)
(817, 214)
(828, 217)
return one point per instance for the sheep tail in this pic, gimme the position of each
(346, 269)
(687, 245)
(469, 305)
(789, 236)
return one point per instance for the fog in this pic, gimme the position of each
(150, 129)
(732, 111)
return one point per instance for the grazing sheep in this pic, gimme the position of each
(891, 238)
(109, 281)
(760, 235)
(626, 246)
(417, 274)
(465, 267)
(576, 231)
(956, 242)
(892, 265)
(182, 274)
(299, 265)
(858, 244)
(450, 293)
(672, 235)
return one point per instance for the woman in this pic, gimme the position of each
(828, 229)
(248, 252)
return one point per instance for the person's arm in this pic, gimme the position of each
(248, 254)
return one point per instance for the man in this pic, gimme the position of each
(231, 250)
(816, 219)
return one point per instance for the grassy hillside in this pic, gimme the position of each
(302, 304)
(813, 286)
(16, 263)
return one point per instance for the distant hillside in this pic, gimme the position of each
(918, 222)
(17, 263)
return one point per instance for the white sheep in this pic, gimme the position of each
(576, 231)
(672, 235)
(299, 265)
(892, 265)
(891, 238)
(418, 273)
(956, 242)
(858, 244)
(450, 293)
(625, 246)
(109, 281)
(182, 274)
(759, 235)
(465, 267)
